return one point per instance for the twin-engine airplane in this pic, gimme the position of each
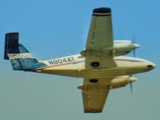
(98, 64)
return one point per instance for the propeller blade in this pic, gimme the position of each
(132, 79)
(134, 40)
(134, 46)
(134, 53)
(131, 87)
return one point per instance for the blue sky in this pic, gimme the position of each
(51, 29)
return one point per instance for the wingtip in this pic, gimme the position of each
(93, 111)
(102, 10)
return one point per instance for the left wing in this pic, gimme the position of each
(94, 94)
(99, 46)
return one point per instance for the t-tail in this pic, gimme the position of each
(20, 57)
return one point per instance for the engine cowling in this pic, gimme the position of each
(122, 47)
(122, 81)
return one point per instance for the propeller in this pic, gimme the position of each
(134, 51)
(134, 46)
(131, 87)
(132, 79)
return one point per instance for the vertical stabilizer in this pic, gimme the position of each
(20, 57)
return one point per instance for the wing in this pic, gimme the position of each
(98, 52)
(94, 94)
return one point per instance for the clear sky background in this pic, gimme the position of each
(51, 29)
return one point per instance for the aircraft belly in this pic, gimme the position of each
(102, 73)
(111, 72)
(93, 73)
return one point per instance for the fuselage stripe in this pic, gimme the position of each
(94, 14)
(58, 65)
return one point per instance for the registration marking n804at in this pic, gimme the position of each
(61, 61)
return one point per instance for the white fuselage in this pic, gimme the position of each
(74, 66)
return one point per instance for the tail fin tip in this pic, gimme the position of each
(11, 41)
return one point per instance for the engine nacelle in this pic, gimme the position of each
(117, 82)
(122, 47)
(121, 81)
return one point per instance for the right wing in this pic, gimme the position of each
(94, 94)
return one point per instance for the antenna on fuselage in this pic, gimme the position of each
(73, 62)
(69, 53)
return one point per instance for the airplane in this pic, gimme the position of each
(101, 64)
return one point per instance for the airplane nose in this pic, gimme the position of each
(151, 65)
(154, 66)
(135, 46)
